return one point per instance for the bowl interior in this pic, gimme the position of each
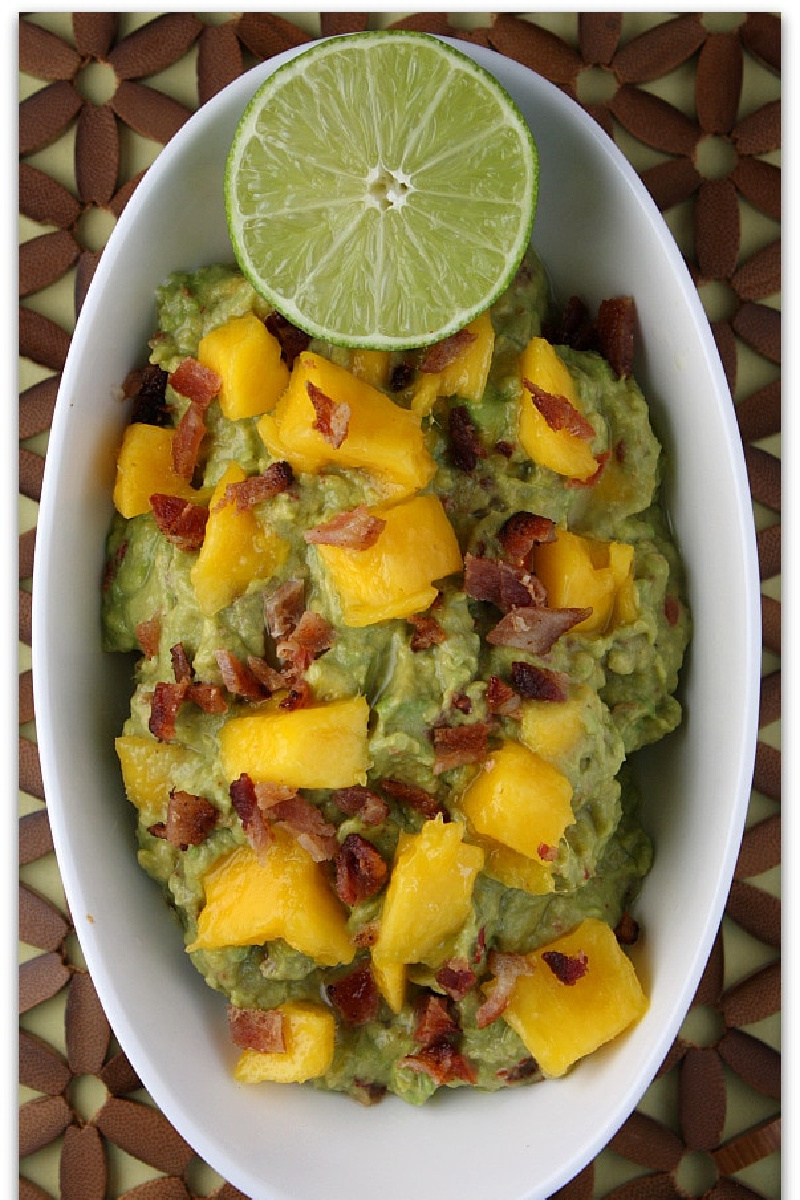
(599, 235)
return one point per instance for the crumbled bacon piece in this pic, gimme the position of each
(246, 493)
(401, 376)
(443, 354)
(258, 1029)
(559, 413)
(368, 1093)
(521, 532)
(615, 326)
(208, 697)
(198, 383)
(536, 629)
(465, 444)
(602, 461)
(501, 699)
(539, 683)
(284, 607)
(238, 677)
(181, 522)
(442, 1062)
(672, 609)
(293, 341)
(332, 417)
(187, 440)
(415, 797)
(190, 819)
(507, 969)
(567, 968)
(271, 680)
(459, 745)
(298, 696)
(360, 870)
(148, 387)
(433, 1020)
(148, 635)
(165, 703)
(362, 802)
(245, 804)
(525, 1069)
(502, 584)
(356, 529)
(505, 448)
(311, 636)
(306, 824)
(547, 853)
(355, 996)
(456, 977)
(462, 704)
(427, 632)
(627, 930)
(181, 667)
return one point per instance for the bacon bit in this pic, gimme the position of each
(199, 384)
(257, 1029)
(190, 819)
(332, 416)
(442, 1062)
(181, 522)
(537, 629)
(284, 607)
(525, 1069)
(368, 1093)
(148, 635)
(427, 632)
(539, 683)
(356, 529)
(158, 830)
(271, 680)
(443, 354)
(506, 586)
(187, 441)
(501, 699)
(245, 804)
(434, 1020)
(507, 969)
(480, 946)
(401, 376)
(181, 667)
(465, 444)
(504, 448)
(269, 794)
(306, 824)
(627, 930)
(462, 704)
(165, 703)
(245, 494)
(367, 935)
(360, 801)
(293, 341)
(148, 387)
(559, 413)
(360, 870)
(615, 327)
(356, 996)
(459, 745)
(415, 797)
(567, 968)
(456, 977)
(207, 696)
(311, 636)
(672, 609)
(547, 853)
(298, 697)
(521, 532)
(602, 461)
(238, 678)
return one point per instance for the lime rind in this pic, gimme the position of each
(345, 221)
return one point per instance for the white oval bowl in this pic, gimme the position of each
(600, 235)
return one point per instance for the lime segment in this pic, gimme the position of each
(380, 190)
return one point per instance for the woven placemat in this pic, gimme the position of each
(694, 102)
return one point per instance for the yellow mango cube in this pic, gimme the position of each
(561, 1022)
(557, 449)
(395, 576)
(236, 549)
(248, 360)
(148, 772)
(383, 440)
(466, 376)
(252, 899)
(551, 729)
(308, 1033)
(581, 572)
(515, 870)
(390, 980)
(429, 895)
(320, 746)
(519, 800)
(144, 467)
(373, 366)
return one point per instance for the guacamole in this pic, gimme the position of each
(398, 624)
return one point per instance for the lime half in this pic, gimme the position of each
(380, 190)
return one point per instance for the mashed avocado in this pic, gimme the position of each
(300, 768)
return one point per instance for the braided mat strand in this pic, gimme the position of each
(694, 101)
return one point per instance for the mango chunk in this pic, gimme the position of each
(519, 800)
(144, 466)
(320, 746)
(395, 576)
(250, 900)
(429, 895)
(466, 376)
(557, 449)
(373, 366)
(583, 572)
(515, 870)
(308, 1032)
(560, 1022)
(148, 772)
(248, 360)
(236, 549)
(552, 729)
(383, 440)
(390, 979)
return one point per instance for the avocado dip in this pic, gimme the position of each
(398, 623)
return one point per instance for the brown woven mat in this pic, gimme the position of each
(693, 100)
